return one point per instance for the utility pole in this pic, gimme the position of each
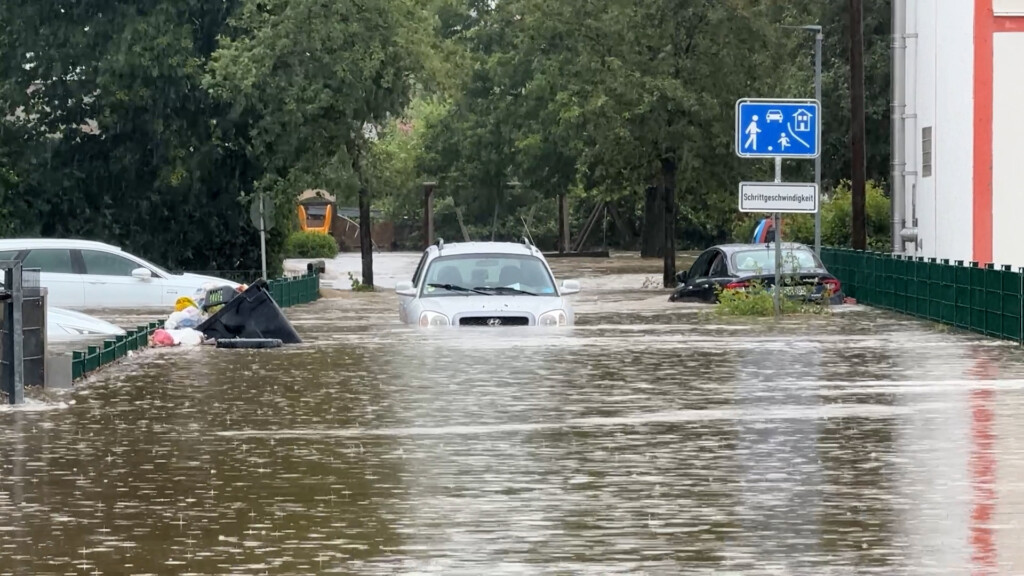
(858, 164)
(818, 38)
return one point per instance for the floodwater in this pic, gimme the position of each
(649, 439)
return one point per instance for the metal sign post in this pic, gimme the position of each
(263, 236)
(778, 245)
(783, 128)
(262, 215)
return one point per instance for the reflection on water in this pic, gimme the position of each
(649, 439)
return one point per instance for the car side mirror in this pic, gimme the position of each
(682, 276)
(570, 287)
(142, 273)
(405, 289)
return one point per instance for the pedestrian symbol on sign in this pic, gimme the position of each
(752, 132)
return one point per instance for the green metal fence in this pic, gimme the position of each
(285, 291)
(986, 300)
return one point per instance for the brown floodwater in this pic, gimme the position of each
(651, 438)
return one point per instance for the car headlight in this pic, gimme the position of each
(428, 318)
(553, 318)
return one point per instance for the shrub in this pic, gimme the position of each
(310, 245)
(757, 300)
(357, 284)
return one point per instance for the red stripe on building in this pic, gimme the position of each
(986, 25)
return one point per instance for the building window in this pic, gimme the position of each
(926, 152)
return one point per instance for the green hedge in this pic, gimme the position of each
(310, 245)
(986, 300)
(285, 291)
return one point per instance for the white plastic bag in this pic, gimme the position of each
(186, 337)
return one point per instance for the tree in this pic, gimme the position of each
(315, 78)
(109, 131)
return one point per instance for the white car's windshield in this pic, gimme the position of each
(487, 274)
(762, 261)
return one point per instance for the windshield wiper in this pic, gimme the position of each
(454, 288)
(505, 289)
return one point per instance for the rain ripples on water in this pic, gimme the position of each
(649, 439)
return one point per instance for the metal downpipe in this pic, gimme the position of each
(899, 107)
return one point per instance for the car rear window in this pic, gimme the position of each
(763, 260)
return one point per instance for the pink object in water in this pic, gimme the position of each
(162, 338)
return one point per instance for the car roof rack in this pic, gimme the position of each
(440, 244)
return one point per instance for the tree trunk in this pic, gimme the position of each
(494, 222)
(652, 236)
(366, 235)
(668, 182)
(627, 237)
(858, 167)
(563, 224)
(428, 215)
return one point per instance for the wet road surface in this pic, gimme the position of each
(649, 439)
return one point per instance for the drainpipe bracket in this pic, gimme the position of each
(909, 235)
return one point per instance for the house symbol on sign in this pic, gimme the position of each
(802, 120)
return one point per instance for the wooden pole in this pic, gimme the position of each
(668, 175)
(428, 213)
(366, 235)
(563, 223)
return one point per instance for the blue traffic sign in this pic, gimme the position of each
(778, 128)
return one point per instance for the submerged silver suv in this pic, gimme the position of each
(485, 284)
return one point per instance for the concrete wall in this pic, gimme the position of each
(1008, 148)
(940, 85)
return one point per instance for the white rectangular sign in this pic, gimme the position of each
(785, 197)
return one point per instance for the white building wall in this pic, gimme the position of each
(954, 134)
(920, 69)
(940, 92)
(1008, 148)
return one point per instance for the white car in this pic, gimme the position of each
(774, 115)
(67, 326)
(485, 284)
(80, 274)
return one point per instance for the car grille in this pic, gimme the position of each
(494, 321)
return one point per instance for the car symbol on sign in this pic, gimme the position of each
(773, 115)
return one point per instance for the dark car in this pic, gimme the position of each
(737, 266)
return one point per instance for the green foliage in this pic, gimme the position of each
(357, 284)
(836, 223)
(756, 300)
(392, 169)
(145, 173)
(312, 75)
(310, 245)
(193, 106)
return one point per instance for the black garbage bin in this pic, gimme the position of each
(251, 314)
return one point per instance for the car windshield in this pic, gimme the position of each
(762, 261)
(488, 274)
